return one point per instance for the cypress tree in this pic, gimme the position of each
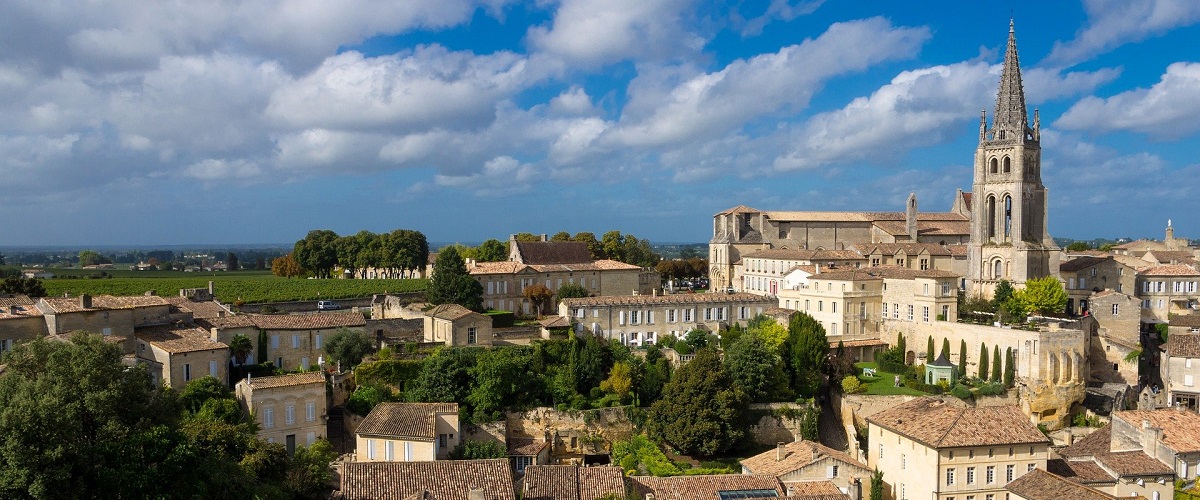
(929, 350)
(996, 366)
(983, 362)
(946, 348)
(1009, 368)
(876, 485)
(903, 349)
(962, 358)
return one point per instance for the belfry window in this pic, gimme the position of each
(991, 216)
(1007, 213)
(995, 167)
(1007, 165)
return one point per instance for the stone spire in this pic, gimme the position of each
(1010, 121)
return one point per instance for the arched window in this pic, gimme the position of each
(1007, 217)
(1007, 165)
(994, 165)
(997, 269)
(991, 217)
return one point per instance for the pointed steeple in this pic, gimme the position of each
(1011, 120)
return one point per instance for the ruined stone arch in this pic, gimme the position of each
(1052, 366)
(1068, 374)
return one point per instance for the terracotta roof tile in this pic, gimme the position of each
(199, 309)
(286, 380)
(449, 312)
(176, 339)
(1099, 441)
(939, 424)
(907, 248)
(797, 454)
(1192, 320)
(599, 265)
(552, 252)
(816, 490)
(671, 299)
(1183, 345)
(1038, 484)
(927, 228)
(16, 300)
(1181, 429)
(881, 272)
(239, 321)
(555, 322)
(436, 480)
(1133, 463)
(702, 487)
(525, 446)
(740, 209)
(100, 302)
(405, 420)
(310, 321)
(1170, 270)
(17, 308)
(1080, 263)
(568, 482)
(958, 250)
(1083, 471)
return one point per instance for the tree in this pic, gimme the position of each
(91, 258)
(1003, 292)
(1009, 367)
(619, 382)
(595, 249)
(876, 485)
(538, 295)
(445, 376)
(1043, 296)
(945, 348)
(701, 411)
(240, 348)
(997, 367)
(755, 368)
(503, 381)
(1078, 246)
(308, 471)
(656, 372)
(983, 362)
(201, 390)
(491, 251)
(286, 267)
(929, 350)
(20, 285)
(613, 245)
(806, 349)
(231, 261)
(478, 450)
(1, 259)
(561, 236)
(570, 291)
(348, 347)
(773, 334)
(317, 252)
(962, 357)
(451, 284)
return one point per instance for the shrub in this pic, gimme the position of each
(478, 450)
(851, 385)
(366, 397)
(990, 389)
(960, 391)
(501, 319)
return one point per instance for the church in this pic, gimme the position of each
(1000, 226)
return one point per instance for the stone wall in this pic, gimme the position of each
(572, 434)
(771, 428)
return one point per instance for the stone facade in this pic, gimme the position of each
(289, 409)
(1086, 275)
(184, 353)
(456, 325)
(1168, 289)
(644, 319)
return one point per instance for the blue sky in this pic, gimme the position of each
(165, 123)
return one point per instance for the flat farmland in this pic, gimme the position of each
(229, 287)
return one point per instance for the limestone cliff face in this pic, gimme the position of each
(1051, 404)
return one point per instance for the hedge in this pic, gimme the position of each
(393, 372)
(501, 319)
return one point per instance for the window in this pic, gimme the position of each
(708, 314)
(687, 315)
(279, 362)
(295, 341)
(408, 450)
(833, 329)
(268, 418)
(1116, 309)
(903, 461)
(991, 474)
(635, 317)
(925, 289)
(833, 306)
(670, 315)
(310, 438)
(289, 414)
(1031, 467)
(304, 363)
(895, 311)
(925, 313)
(820, 305)
(370, 449)
(472, 335)
(212, 369)
(317, 341)
(885, 309)
(389, 451)
(970, 475)
(187, 372)
(1008, 473)
(805, 304)
(924, 264)
(274, 342)
(949, 476)
(310, 412)
(443, 441)
(910, 312)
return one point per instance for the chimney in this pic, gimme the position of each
(85, 301)
(475, 494)
(818, 268)
(543, 237)
(211, 289)
(780, 451)
(151, 293)
(910, 217)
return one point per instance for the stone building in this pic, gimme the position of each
(1086, 275)
(294, 341)
(490, 479)
(289, 409)
(1120, 472)
(20, 321)
(1180, 371)
(182, 353)
(104, 314)
(408, 432)
(1117, 319)
(801, 462)
(1168, 289)
(936, 448)
(456, 325)
(644, 319)
(1170, 435)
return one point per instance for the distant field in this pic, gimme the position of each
(251, 287)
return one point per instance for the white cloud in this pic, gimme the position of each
(501, 176)
(781, 82)
(782, 10)
(574, 101)
(591, 33)
(1112, 23)
(214, 170)
(919, 108)
(1168, 109)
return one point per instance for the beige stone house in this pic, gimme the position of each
(289, 409)
(644, 319)
(1180, 370)
(1171, 435)
(1092, 462)
(805, 461)
(443, 479)
(1168, 289)
(1086, 275)
(294, 341)
(936, 448)
(570, 482)
(408, 432)
(20, 321)
(553, 264)
(456, 325)
(104, 314)
(1118, 322)
(183, 353)
(762, 271)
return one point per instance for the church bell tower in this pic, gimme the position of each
(1009, 238)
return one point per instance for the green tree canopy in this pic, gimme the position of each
(1003, 292)
(701, 412)
(240, 348)
(756, 368)
(317, 252)
(561, 236)
(570, 291)
(450, 283)
(1043, 296)
(983, 362)
(348, 347)
(20, 285)
(929, 350)
(492, 250)
(806, 350)
(997, 366)
(946, 347)
(502, 380)
(1078, 246)
(445, 376)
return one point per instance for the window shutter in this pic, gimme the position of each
(829, 471)
(621, 318)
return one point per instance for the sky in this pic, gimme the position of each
(135, 123)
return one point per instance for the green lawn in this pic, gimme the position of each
(883, 384)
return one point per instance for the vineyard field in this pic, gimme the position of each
(251, 288)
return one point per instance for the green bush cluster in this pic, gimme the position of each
(501, 319)
(851, 385)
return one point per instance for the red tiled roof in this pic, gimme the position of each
(176, 339)
(552, 252)
(449, 312)
(436, 480)
(701, 487)
(311, 321)
(285, 380)
(797, 455)
(1181, 429)
(569, 482)
(1099, 441)
(405, 420)
(939, 424)
(678, 298)
(1083, 471)
(1170, 270)
(1183, 345)
(100, 302)
(1038, 484)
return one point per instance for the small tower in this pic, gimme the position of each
(910, 217)
(1169, 240)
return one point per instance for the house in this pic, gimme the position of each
(525, 452)
(408, 432)
(1092, 462)
(289, 409)
(294, 341)
(1180, 370)
(20, 321)
(1086, 275)
(1041, 485)
(569, 482)
(762, 271)
(456, 325)
(36, 274)
(104, 314)
(933, 446)
(644, 319)
(800, 462)
(1170, 435)
(182, 353)
(715, 487)
(918, 256)
(1168, 289)
(1117, 317)
(438, 480)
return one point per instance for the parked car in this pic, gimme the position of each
(327, 305)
